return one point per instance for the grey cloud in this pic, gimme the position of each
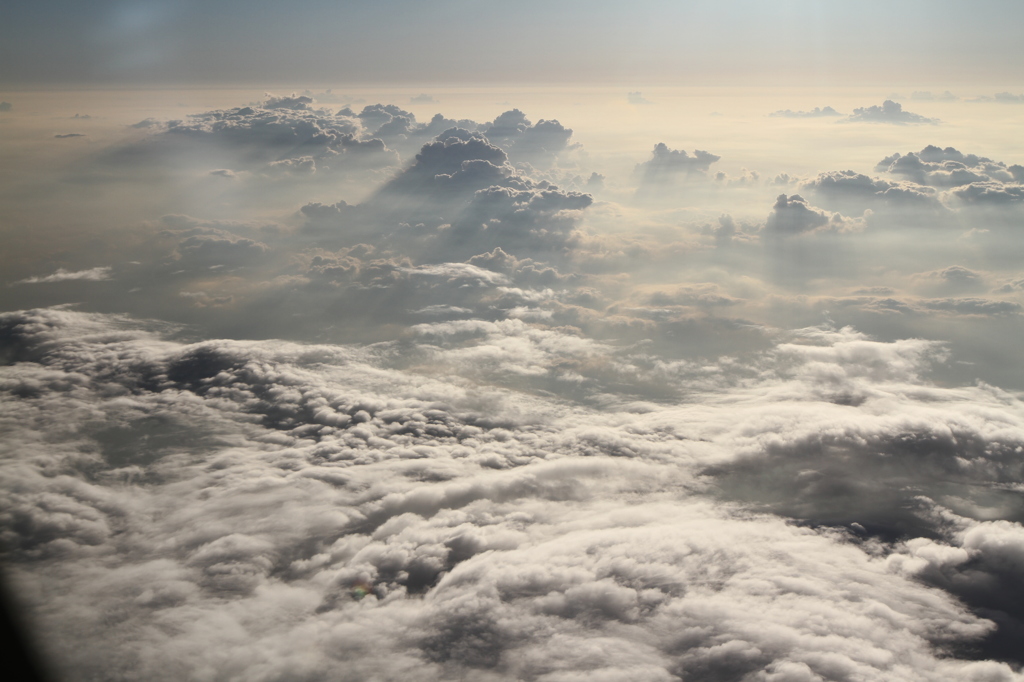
(294, 102)
(1012, 286)
(970, 306)
(953, 278)
(280, 129)
(974, 306)
(976, 560)
(636, 98)
(5, 106)
(461, 198)
(990, 194)
(1002, 97)
(537, 144)
(946, 167)
(848, 186)
(211, 247)
(667, 165)
(386, 119)
(854, 192)
(524, 271)
(888, 112)
(792, 215)
(816, 112)
(66, 135)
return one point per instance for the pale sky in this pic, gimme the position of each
(792, 42)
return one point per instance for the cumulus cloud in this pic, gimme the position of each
(888, 112)
(276, 509)
(792, 215)
(855, 193)
(949, 167)
(537, 144)
(667, 166)
(462, 197)
(990, 194)
(279, 132)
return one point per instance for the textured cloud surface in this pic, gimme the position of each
(276, 511)
(352, 396)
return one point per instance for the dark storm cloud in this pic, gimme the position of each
(888, 112)
(306, 511)
(816, 112)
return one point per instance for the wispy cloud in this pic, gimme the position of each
(62, 275)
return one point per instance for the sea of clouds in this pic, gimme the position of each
(493, 413)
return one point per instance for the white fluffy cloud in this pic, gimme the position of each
(62, 275)
(287, 511)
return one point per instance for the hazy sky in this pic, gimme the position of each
(482, 41)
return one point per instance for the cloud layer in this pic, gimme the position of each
(362, 397)
(282, 511)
